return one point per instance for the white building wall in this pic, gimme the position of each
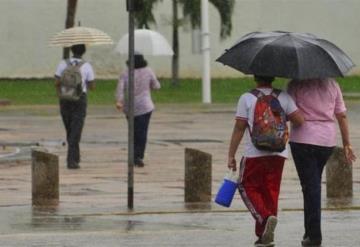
(27, 25)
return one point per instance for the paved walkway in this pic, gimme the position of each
(93, 200)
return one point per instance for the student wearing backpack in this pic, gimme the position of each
(261, 116)
(322, 105)
(73, 78)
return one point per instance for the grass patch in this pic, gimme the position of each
(42, 92)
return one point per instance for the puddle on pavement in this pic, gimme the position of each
(17, 151)
(22, 150)
(179, 141)
(46, 218)
(108, 178)
(6, 151)
(49, 219)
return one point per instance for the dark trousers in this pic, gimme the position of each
(73, 114)
(141, 126)
(310, 161)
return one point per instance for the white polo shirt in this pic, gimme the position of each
(86, 70)
(245, 111)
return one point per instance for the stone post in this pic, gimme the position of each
(338, 176)
(45, 178)
(197, 176)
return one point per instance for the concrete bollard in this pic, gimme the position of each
(339, 181)
(197, 176)
(45, 178)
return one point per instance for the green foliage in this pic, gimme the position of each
(41, 92)
(145, 17)
(192, 9)
(225, 9)
(349, 84)
(28, 92)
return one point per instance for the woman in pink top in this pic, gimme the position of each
(144, 81)
(321, 103)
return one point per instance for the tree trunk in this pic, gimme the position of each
(175, 58)
(69, 22)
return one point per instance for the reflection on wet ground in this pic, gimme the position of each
(92, 209)
(22, 150)
(187, 228)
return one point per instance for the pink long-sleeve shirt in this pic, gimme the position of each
(318, 101)
(144, 81)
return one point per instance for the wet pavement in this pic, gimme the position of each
(93, 200)
(169, 229)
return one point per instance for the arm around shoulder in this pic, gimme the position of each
(296, 118)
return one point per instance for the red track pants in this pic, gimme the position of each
(259, 187)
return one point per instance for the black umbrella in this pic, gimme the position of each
(286, 54)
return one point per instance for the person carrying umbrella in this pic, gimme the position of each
(303, 57)
(74, 71)
(321, 103)
(73, 78)
(261, 168)
(144, 82)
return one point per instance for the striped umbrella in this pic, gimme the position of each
(80, 35)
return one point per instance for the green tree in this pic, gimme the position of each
(145, 17)
(192, 11)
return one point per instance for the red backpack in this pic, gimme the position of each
(270, 131)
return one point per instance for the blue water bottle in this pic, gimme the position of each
(227, 189)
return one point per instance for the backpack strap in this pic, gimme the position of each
(276, 92)
(77, 63)
(68, 62)
(257, 93)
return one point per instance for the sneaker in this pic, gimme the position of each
(268, 234)
(311, 243)
(259, 243)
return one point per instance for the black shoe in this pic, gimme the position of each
(139, 163)
(311, 243)
(73, 166)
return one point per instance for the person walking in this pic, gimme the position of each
(144, 81)
(321, 103)
(73, 78)
(261, 170)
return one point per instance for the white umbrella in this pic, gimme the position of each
(80, 35)
(147, 42)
